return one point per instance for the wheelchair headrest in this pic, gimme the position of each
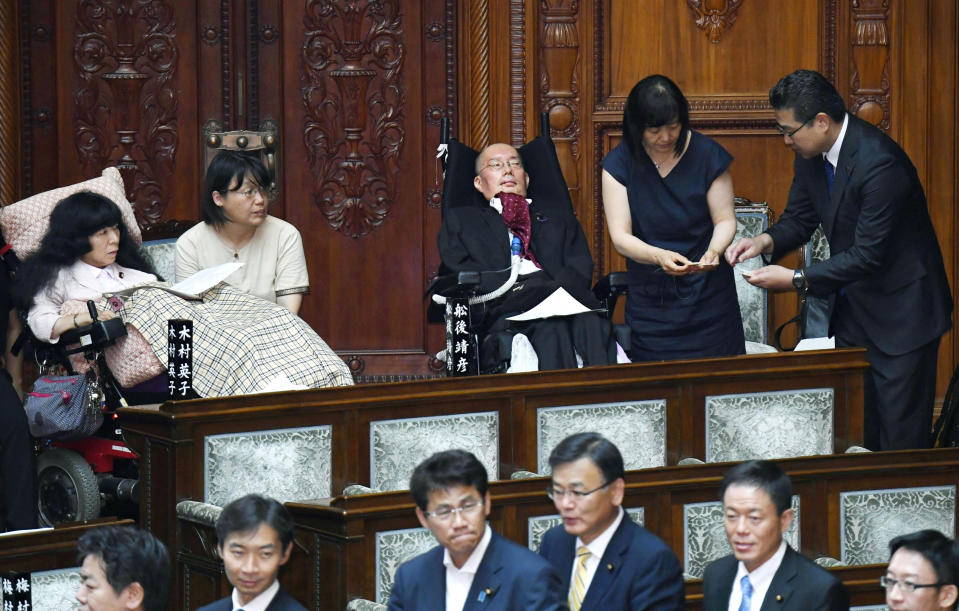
(25, 222)
(547, 187)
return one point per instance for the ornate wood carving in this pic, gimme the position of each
(479, 103)
(354, 100)
(8, 110)
(559, 86)
(226, 67)
(125, 107)
(517, 71)
(869, 79)
(714, 16)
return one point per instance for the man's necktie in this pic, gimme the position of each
(516, 217)
(830, 173)
(747, 593)
(577, 589)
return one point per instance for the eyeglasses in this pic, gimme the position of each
(577, 495)
(907, 587)
(445, 513)
(249, 193)
(783, 131)
(498, 164)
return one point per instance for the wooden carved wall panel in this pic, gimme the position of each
(125, 109)
(869, 82)
(479, 69)
(352, 59)
(714, 16)
(517, 71)
(8, 109)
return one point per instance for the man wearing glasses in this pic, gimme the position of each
(923, 572)
(885, 274)
(553, 253)
(606, 561)
(473, 568)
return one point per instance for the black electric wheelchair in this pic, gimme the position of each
(462, 292)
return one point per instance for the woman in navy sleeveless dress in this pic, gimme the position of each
(668, 198)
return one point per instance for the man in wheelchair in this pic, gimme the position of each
(553, 253)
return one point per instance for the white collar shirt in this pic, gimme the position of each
(760, 578)
(261, 602)
(832, 155)
(107, 278)
(459, 580)
(597, 547)
(525, 266)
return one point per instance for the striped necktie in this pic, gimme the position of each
(577, 589)
(747, 593)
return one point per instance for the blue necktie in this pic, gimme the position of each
(747, 593)
(830, 173)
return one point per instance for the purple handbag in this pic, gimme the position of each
(63, 407)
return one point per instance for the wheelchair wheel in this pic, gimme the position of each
(67, 488)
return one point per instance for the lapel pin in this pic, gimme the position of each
(121, 274)
(779, 598)
(609, 567)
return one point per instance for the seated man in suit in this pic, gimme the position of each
(473, 568)
(255, 537)
(923, 573)
(606, 561)
(553, 252)
(763, 572)
(122, 569)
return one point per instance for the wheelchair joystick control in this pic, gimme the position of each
(92, 308)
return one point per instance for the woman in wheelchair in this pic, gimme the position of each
(241, 343)
(236, 227)
(86, 252)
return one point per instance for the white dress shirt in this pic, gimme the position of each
(761, 577)
(459, 580)
(261, 602)
(597, 547)
(832, 155)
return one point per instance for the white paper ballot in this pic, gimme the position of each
(816, 343)
(206, 279)
(559, 303)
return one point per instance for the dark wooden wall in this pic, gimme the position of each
(356, 90)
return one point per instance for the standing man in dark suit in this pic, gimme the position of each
(255, 537)
(606, 561)
(885, 271)
(473, 568)
(763, 573)
(553, 253)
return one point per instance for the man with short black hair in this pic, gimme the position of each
(473, 568)
(606, 561)
(255, 537)
(122, 569)
(757, 503)
(923, 572)
(885, 272)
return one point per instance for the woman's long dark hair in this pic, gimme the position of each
(72, 222)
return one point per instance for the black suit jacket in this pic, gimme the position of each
(475, 238)
(637, 570)
(281, 602)
(510, 577)
(884, 251)
(798, 585)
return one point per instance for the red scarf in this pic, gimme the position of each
(516, 217)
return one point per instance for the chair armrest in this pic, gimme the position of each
(95, 336)
(460, 284)
(612, 285)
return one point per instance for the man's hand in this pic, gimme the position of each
(747, 248)
(771, 277)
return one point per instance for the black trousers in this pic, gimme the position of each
(900, 390)
(16, 461)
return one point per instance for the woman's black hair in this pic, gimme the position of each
(229, 168)
(72, 222)
(654, 101)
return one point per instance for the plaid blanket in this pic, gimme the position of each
(240, 342)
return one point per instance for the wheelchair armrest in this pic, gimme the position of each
(95, 336)
(459, 284)
(609, 288)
